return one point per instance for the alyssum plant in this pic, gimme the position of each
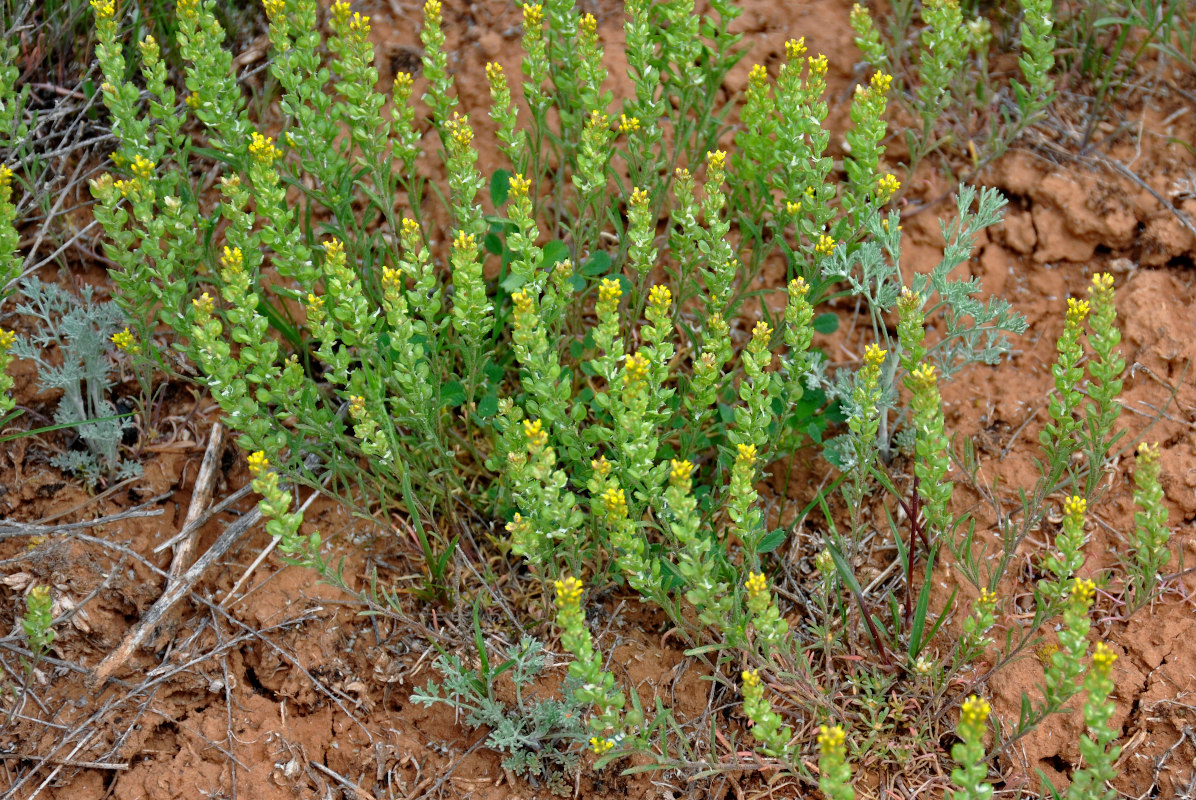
(348, 332)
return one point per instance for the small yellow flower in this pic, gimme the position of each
(761, 333)
(1103, 658)
(232, 259)
(795, 48)
(6, 176)
(1083, 590)
(533, 429)
(258, 463)
(1075, 506)
(756, 583)
(874, 356)
(601, 746)
(598, 119)
(392, 279)
(126, 341)
(7, 340)
(340, 11)
(637, 367)
(798, 287)
(204, 304)
(124, 187)
(588, 25)
(1101, 282)
(356, 406)
(818, 65)
(1077, 310)
(465, 242)
(523, 302)
(192, 101)
(751, 678)
(274, 8)
(884, 223)
(660, 298)
(564, 269)
(614, 501)
(887, 186)
(758, 77)
(987, 598)
(792, 208)
(745, 454)
(494, 72)
(826, 245)
(975, 711)
(639, 197)
(403, 83)
(410, 227)
(601, 466)
(263, 150)
(831, 738)
(315, 303)
(568, 591)
(432, 11)
(680, 470)
(533, 16)
(1148, 453)
(520, 186)
(105, 9)
(187, 9)
(628, 124)
(881, 82)
(610, 290)
(924, 375)
(716, 161)
(459, 131)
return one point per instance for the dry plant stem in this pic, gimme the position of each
(169, 598)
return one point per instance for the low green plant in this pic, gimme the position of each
(38, 624)
(77, 332)
(536, 734)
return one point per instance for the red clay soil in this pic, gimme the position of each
(286, 691)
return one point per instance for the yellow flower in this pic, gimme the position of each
(680, 470)
(610, 290)
(124, 187)
(615, 502)
(564, 269)
(568, 590)
(520, 186)
(758, 77)
(924, 375)
(204, 304)
(232, 259)
(751, 678)
(1101, 282)
(315, 303)
(533, 429)
(628, 124)
(1148, 453)
(273, 7)
(459, 130)
(745, 454)
(761, 333)
(258, 463)
(756, 583)
(831, 738)
(464, 242)
(187, 9)
(884, 223)
(881, 82)
(858, 16)
(588, 25)
(825, 246)
(410, 227)
(887, 186)
(263, 150)
(1075, 507)
(601, 466)
(533, 16)
(792, 208)
(639, 197)
(403, 83)
(637, 367)
(1103, 658)
(494, 72)
(5, 176)
(192, 101)
(340, 11)
(975, 711)
(660, 298)
(795, 48)
(1083, 590)
(987, 598)
(126, 341)
(356, 405)
(874, 356)
(1077, 310)
(598, 119)
(359, 25)
(432, 11)
(105, 9)
(716, 161)
(600, 746)
(523, 302)
(798, 287)
(7, 339)
(392, 279)
(818, 65)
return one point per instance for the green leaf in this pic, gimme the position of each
(826, 323)
(771, 541)
(452, 394)
(598, 264)
(493, 244)
(500, 185)
(512, 283)
(488, 406)
(555, 252)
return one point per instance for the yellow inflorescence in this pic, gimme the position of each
(1102, 282)
(756, 583)
(987, 598)
(125, 341)
(263, 150)
(598, 120)
(600, 746)
(615, 502)
(628, 124)
(680, 470)
(7, 339)
(792, 208)
(494, 72)
(356, 406)
(142, 168)
(5, 176)
(795, 48)
(232, 259)
(1077, 310)
(464, 242)
(432, 10)
(831, 739)
(924, 375)
(459, 130)
(610, 290)
(745, 454)
(975, 711)
(522, 301)
(660, 298)
(568, 591)
(1103, 658)
(520, 186)
(1083, 590)
(639, 197)
(187, 9)
(887, 185)
(601, 466)
(874, 356)
(761, 332)
(881, 82)
(751, 678)
(204, 304)
(533, 429)
(403, 83)
(637, 367)
(818, 65)
(410, 227)
(1148, 453)
(826, 245)
(533, 16)
(258, 463)
(105, 9)
(758, 77)
(392, 278)
(798, 287)
(1075, 507)
(588, 25)
(717, 160)
(273, 7)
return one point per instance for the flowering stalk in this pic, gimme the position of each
(698, 557)
(767, 728)
(834, 775)
(1151, 533)
(1105, 369)
(1090, 781)
(512, 141)
(1066, 663)
(867, 189)
(549, 514)
(282, 523)
(1058, 437)
(772, 629)
(1068, 544)
(971, 776)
